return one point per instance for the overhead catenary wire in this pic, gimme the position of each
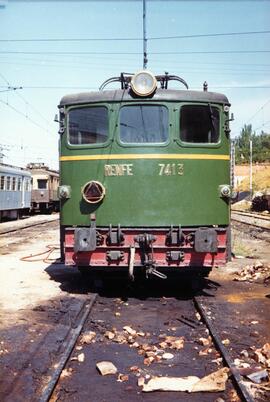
(266, 124)
(9, 89)
(85, 60)
(255, 114)
(20, 147)
(60, 53)
(35, 110)
(81, 58)
(159, 40)
(86, 88)
(25, 116)
(93, 65)
(25, 101)
(126, 39)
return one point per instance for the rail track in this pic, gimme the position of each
(254, 225)
(70, 343)
(156, 312)
(13, 236)
(149, 313)
(14, 226)
(154, 319)
(255, 220)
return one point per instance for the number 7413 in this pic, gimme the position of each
(171, 169)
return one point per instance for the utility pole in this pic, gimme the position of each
(144, 37)
(250, 168)
(232, 164)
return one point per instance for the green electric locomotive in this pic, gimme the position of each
(145, 177)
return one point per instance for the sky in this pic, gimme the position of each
(52, 48)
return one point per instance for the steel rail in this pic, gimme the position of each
(47, 393)
(237, 379)
(251, 215)
(26, 226)
(250, 224)
(255, 233)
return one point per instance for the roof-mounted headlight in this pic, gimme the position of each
(143, 83)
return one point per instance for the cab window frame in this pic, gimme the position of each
(69, 145)
(144, 144)
(187, 144)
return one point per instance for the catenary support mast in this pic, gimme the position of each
(144, 37)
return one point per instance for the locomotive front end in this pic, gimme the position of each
(145, 182)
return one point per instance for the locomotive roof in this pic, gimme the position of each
(162, 95)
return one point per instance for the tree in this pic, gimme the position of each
(260, 146)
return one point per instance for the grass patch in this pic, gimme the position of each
(239, 248)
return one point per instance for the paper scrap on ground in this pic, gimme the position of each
(214, 382)
(170, 384)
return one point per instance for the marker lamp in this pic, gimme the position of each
(93, 192)
(143, 83)
(64, 192)
(225, 191)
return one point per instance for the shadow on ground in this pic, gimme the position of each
(116, 285)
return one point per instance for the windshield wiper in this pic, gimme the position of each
(212, 119)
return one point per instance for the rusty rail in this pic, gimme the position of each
(75, 332)
(250, 220)
(237, 379)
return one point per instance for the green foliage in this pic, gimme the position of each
(260, 146)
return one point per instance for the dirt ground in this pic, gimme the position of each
(41, 298)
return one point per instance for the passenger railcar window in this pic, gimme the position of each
(144, 124)
(8, 183)
(88, 125)
(2, 183)
(199, 124)
(13, 183)
(19, 184)
(42, 184)
(27, 185)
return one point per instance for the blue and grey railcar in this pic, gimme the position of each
(15, 192)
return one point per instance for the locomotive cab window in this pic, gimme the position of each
(142, 124)
(88, 125)
(199, 124)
